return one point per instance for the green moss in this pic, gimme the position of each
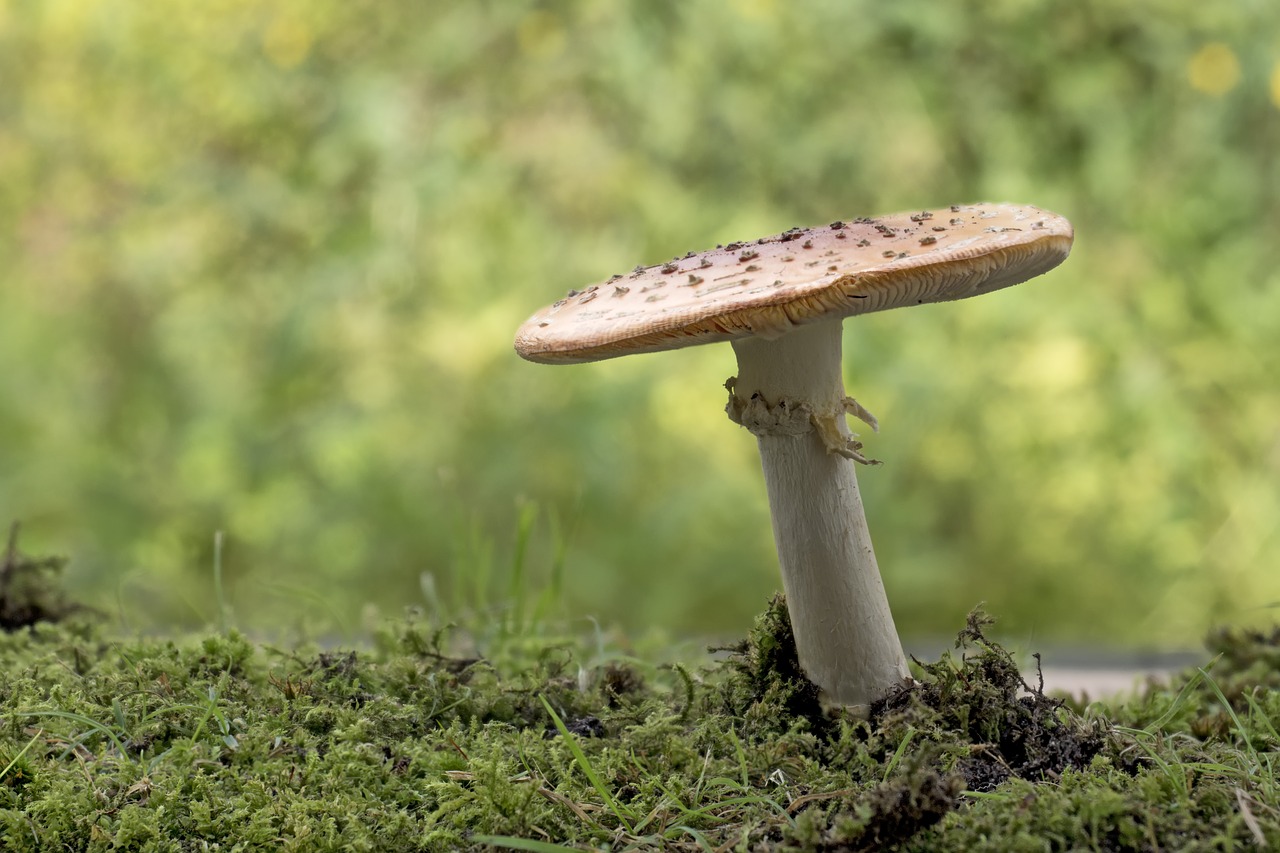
(140, 744)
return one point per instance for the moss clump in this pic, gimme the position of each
(982, 702)
(1245, 662)
(765, 685)
(30, 587)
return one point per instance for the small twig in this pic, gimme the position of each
(11, 552)
(579, 809)
(10, 563)
(217, 582)
(800, 802)
(1243, 800)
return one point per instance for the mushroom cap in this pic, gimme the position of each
(769, 286)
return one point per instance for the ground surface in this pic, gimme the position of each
(508, 736)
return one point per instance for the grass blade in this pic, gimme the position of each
(581, 758)
(4, 774)
(1178, 702)
(94, 725)
(897, 755)
(517, 588)
(218, 595)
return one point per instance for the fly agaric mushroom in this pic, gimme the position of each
(780, 301)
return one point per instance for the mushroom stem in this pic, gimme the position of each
(789, 392)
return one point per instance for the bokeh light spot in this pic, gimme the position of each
(757, 10)
(1214, 69)
(287, 41)
(1055, 364)
(540, 35)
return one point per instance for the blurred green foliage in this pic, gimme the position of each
(262, 263)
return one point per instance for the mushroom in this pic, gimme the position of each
(780, 301)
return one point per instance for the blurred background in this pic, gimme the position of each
(261, 264)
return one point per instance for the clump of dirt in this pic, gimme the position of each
(882, 816)
(982, 703)
(31, 588)
(586, 726)
(902, 806)
(620, 683)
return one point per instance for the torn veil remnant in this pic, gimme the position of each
(780, 301)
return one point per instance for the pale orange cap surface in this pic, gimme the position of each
(769, 286)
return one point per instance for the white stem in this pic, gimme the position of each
(844, 631)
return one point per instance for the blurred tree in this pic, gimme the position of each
(263, 263)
